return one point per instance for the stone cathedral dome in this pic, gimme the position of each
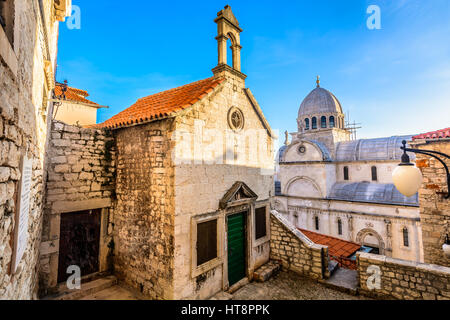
(319, 101)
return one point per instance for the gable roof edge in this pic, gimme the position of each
(258, 110)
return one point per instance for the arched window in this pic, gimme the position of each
(323, 122)
(345, 173)
(316, 223)
(332, 122)
(374, 174)
(405, 237)
(339, 222)
(314, 123)
(306, 124)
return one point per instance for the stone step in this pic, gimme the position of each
(343, 280)
(266, 271)
(332, 266)
(87, 288)
(222, 296)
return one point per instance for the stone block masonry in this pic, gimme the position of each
(81, 176)
(81, 167)
(144, 213)
(434, 209)
(295, 251)
(400, 279)
(26, 72)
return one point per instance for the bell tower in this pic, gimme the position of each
(228, 29)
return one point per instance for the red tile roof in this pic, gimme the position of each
(73, 94)
(336, 247)
(162, 104)
(433, 135)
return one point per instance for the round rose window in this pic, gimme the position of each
(235, 119)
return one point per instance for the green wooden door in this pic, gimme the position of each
(236, 247)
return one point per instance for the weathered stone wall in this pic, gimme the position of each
(144, 214)
(26, 73)
(210, 158)
(434, 209)
(402, 279)
(81, 176)
(295, 251)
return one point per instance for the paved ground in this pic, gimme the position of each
(283, 286)
(290, 286)
(116, 292)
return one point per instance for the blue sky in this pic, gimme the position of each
(393, 81)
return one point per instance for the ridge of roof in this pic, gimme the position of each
(433, 135)
(162, 104)
(336, 246)
(74, 94)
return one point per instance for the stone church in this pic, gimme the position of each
(330, 184)
(193, 181)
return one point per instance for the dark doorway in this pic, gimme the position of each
(79, 242)
(236, 247)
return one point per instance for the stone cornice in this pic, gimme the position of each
(226, 68)
(348, 201)
(331, 211)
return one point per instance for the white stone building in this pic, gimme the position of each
(72, 106)
(329, 184)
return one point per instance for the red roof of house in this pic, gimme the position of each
(439, 134)
(162, 104)
(336, 247)
(73, 94)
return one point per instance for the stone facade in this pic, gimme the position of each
(81, 176)
(295, 251)
(434, 209)
(208, 180)
(164, 189)
(188, 167)
(346, 184)
(375, 225)
(401, 279)
(27, 67)
(144, 213)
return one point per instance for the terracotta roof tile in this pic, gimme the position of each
(162, 104)
(336, 247)
(433, 135)
(73, 94)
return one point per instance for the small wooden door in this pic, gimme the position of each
(79, 242)
(236, 247)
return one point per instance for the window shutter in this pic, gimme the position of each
(206, 241)
(260, 223)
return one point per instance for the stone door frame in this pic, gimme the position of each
(249, 210)
(51, 248)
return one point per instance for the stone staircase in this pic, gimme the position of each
(266, 271)
(89, 286)
(344, 280)
(262, 274)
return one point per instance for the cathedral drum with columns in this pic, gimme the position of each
(327, 183)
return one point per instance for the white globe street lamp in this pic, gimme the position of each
(408, 179)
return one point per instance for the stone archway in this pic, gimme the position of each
(363, 234)
(303, 186)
